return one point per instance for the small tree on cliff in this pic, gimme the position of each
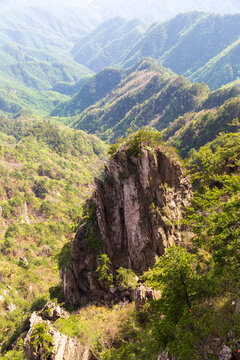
(104, 271)
(175, 274)
(42, 342)
(146, 136)
(174, 321)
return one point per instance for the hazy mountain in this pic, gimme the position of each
(106, 44)
(221, 69)
(67, 18)
(35, 54)
(150, 11)
(149, 95)
(91, 91)
(202, 47)
(37, 38)
(197, 45)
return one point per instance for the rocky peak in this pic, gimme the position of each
(134, 215)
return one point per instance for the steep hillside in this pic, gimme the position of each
(197, 45)
(34, 56)
(221, 69)
(194, 130)
(148, 96)
(193, 45)
(46, 173)
(105, 45)
(91, 92)
(188, 307)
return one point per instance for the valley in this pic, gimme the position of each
(119, 186)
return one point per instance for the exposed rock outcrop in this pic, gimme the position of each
(143, 294)
(165, 356)
(52, 312)
(64, 347)
(225, 353)
(135, 212)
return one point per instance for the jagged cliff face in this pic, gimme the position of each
(138, 207)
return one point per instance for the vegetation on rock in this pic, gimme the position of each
(41, 341)
(198, 309)
(46, 172)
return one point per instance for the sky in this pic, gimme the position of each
(148, 11)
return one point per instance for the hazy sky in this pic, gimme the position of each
(146, 10)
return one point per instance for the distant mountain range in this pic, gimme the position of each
(35, 55)
(150, 11)
(107, 43)
(147, 94)
(199, 46)
(49, 50)
(84, 15)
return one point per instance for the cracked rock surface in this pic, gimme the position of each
(138, 206)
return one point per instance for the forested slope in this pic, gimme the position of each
(46, 173)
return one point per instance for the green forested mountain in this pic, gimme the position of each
(106, 44)
(195, 129)
(160, 38)
(178, 75)
(28, 77)
(46, 173)
(35, 56)
(147, 94)
(38, 52)
(94, 89)
(199, 46)
(39, 69)
(221, 69)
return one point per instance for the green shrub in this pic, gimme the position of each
(40, 188)
(41, 341)
(92, 237)
(104, 270)
(148, 137)
(64, 257)
(127, 278)
(6, 211)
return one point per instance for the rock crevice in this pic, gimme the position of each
(138, 206)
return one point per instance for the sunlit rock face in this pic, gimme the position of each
(137, 210)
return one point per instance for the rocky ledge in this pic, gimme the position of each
(43, 341)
